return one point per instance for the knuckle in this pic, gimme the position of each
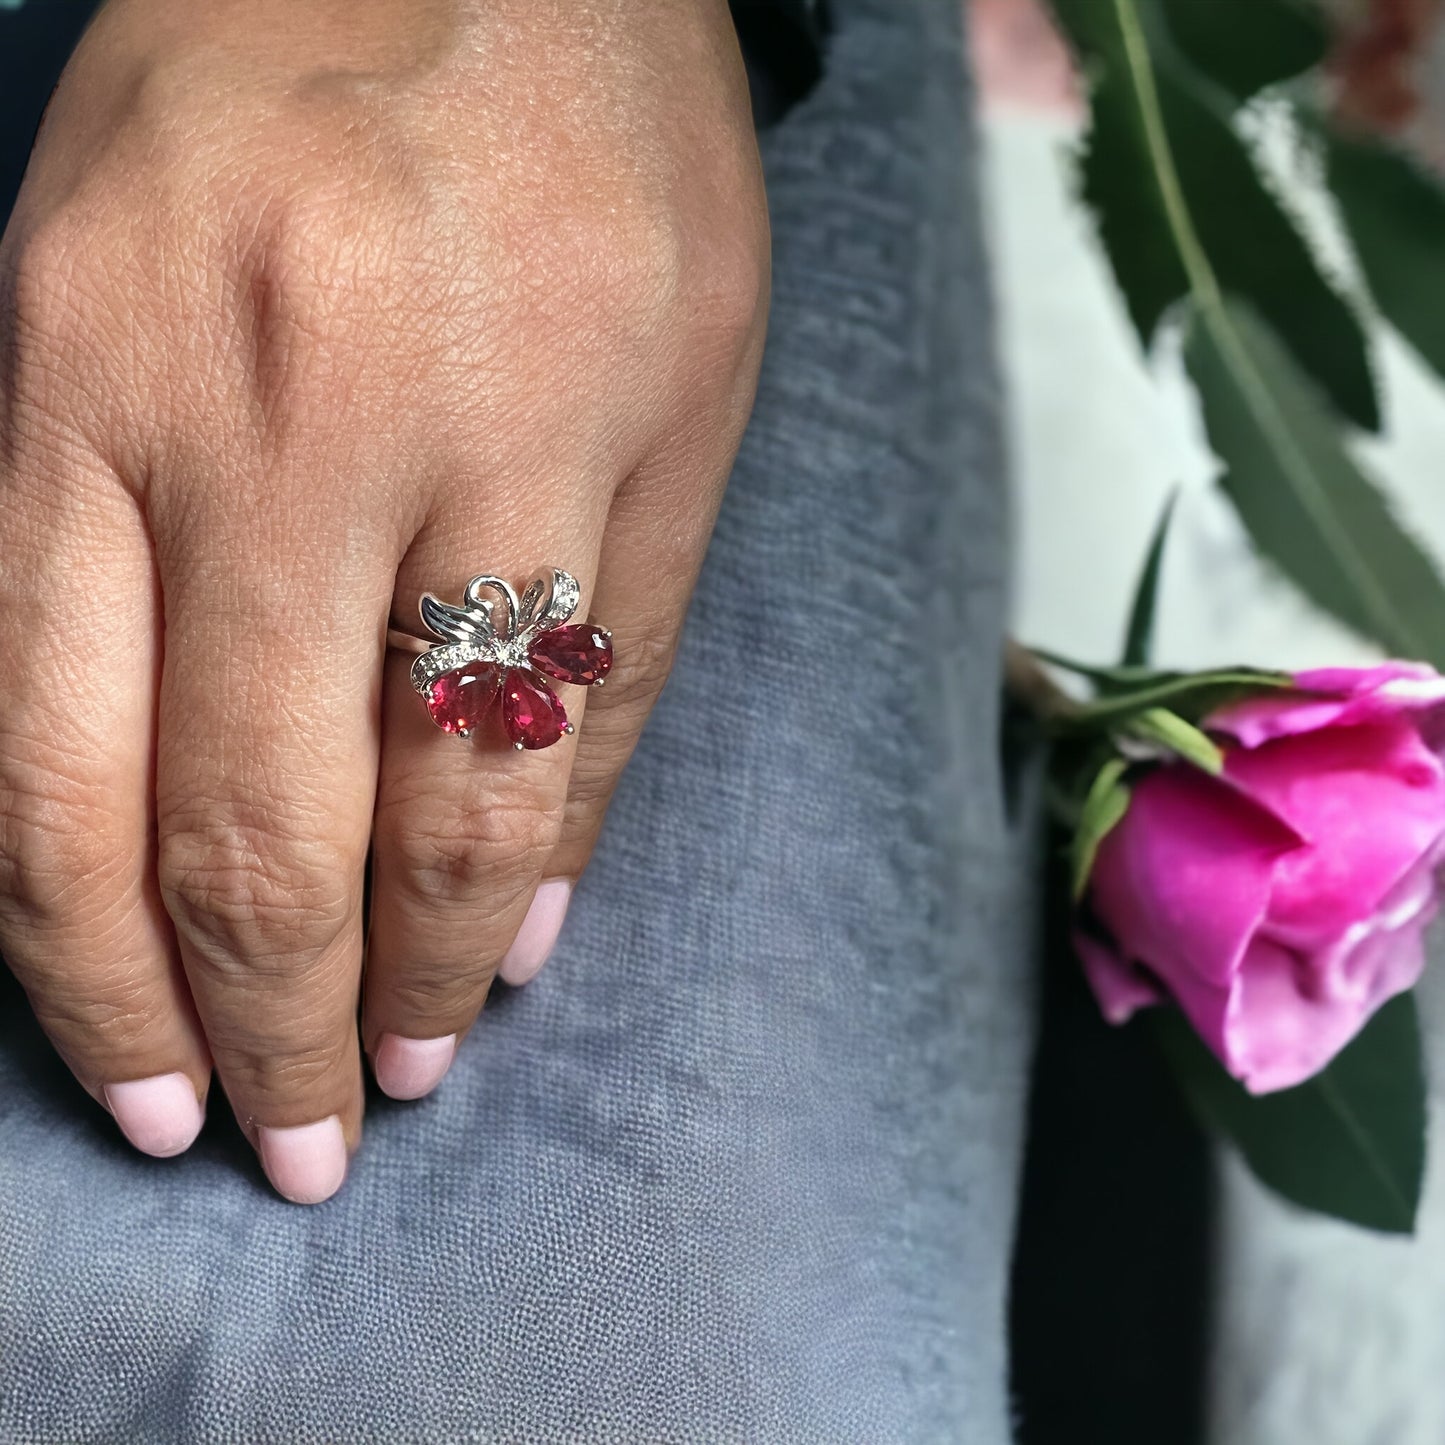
(44, 292)
(61, 854)
(282, 1068)
(41, 269)
(646, 257)
(618, 251)
(642, 670)
(732, 288)
(297, 1074)
(315, 275)
(445, 994)
(593, 781)
(248, 886)
(313, 244)
(298, 273)
(443, 853)
(614, 722)
(106, 1011)
(611, 274)
(304, 239)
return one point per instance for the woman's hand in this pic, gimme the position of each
(310, 306)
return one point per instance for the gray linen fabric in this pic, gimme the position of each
(740, 1165)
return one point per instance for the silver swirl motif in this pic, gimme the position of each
(474, 633)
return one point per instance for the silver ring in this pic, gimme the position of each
(506, 647)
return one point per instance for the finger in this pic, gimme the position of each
(463, 826)
(656, 538)
(265, 773)
(81, 922)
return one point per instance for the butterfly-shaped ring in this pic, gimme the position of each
(507, 646)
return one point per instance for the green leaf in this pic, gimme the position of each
(1349, 1143)
(1395, 215)
(1193, 695)
(1168, 730)
(1110, 677)
(1105, 804)
(1285, 38)
(1182, 210)
(1124, 692)
(1306, 504)
(1139, 638)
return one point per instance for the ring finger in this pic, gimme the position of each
(464, 826)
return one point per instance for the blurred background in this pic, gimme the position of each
(1318, 1332)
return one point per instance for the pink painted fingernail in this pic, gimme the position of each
(409, 1068)
(160, 1115)
(306, 1163)
(537, 936)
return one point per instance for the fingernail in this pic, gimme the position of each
(306, 1163)
(409, 1068)
(537, 936)
(160, 1115)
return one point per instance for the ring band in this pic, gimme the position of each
(506, 647)
(400, 641)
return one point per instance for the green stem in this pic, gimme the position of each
(1202, 280)
(1390, 624)
(1028, 684)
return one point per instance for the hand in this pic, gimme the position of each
(308, 308)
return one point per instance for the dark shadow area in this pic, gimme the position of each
(35, 43)
(1110, 1318)
(30, 1055)
(782, 42)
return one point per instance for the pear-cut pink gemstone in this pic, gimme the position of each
(531, 712)
(459, 700)
(577, 653)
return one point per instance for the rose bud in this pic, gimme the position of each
(1280, 903)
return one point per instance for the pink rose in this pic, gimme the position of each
(1280, 904)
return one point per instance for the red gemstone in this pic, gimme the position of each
(460, 699)
(533, 716)
(577, 653)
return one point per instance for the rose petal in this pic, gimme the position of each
(1278, 1034)
(1355, 695)
(1184, 880)
(1266, 1031)
(1121, 988)
(1286, 1015)
(1353, 681)
(1365, 966)
(1275, 1034)
(1371, 802)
